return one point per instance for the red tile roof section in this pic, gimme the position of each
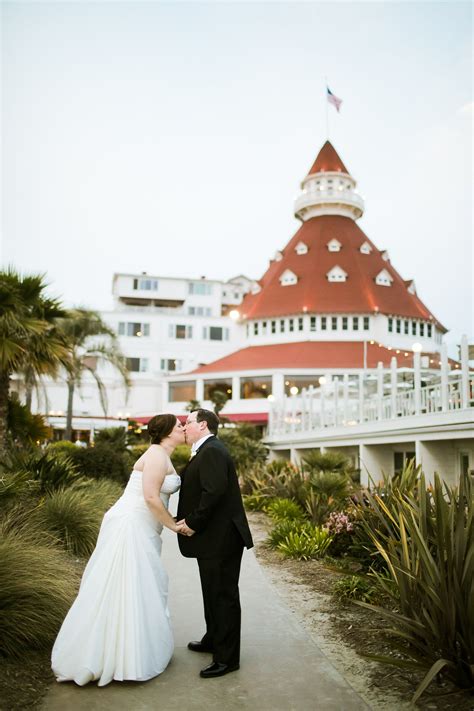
(311, 354)
(313, 293)
(328, 161)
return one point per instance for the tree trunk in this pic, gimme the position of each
(70, 400)
(28, 396)
(4, 392)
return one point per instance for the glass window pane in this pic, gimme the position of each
(255, 388)
(182, 392)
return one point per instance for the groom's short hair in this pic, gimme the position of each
(209, 417)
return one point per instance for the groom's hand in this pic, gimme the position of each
(185, 530)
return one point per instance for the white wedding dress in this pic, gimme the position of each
(119, 625)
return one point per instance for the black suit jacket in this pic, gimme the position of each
(211, 503)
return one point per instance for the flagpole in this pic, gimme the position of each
(326, 101)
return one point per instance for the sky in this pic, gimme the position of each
(171, 137)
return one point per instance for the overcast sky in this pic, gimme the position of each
(171, 137)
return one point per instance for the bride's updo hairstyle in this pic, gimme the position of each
(160, 426)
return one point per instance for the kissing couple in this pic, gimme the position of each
(118, 627)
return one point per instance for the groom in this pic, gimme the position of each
(215, 531)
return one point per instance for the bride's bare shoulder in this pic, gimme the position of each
(154, 454)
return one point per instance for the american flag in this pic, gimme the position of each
(333, 99)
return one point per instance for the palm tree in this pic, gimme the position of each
(28, 335)
(91, 341)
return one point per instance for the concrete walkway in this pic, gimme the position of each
(281, 667)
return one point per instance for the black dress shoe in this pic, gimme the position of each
(199, 647)
(217, 669)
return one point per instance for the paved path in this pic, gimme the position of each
(281, 667)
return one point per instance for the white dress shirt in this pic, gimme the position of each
(195, 446)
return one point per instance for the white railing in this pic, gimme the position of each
(332, 406)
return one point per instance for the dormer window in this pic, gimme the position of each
(385, 256)
(336, 274)
(256, 288)
(365, 248)
(288, 278)
(334, 245)
(383, 278)
(301, 248)
(411, 287)
(278, 256)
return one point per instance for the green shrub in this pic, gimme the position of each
(316, 461)
(114, 436)
(37, 586)
(329, 492)
(255, 502)
(25, 428)
(280, 509)
(283, 528)
(245, 447)
(180, 457)
(354, 587)
(48, 470)
(104, 492)
(304, 544)
(63, 446)
(426, 540)
(103, 462)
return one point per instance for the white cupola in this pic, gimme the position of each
(328, 189)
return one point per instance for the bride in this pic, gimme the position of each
(119, 625)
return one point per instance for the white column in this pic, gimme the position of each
(444, 378)
(464, 373)
(235, 387)
(417, 376)
(393, 388)
(361, 396)
(346, 397)
(278, 386)
(336, 400)
(379, 389)
(200, 390)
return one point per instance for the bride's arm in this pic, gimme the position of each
(154, 472)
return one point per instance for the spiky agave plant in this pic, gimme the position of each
(427, 543)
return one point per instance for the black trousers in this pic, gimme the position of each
(220, 592)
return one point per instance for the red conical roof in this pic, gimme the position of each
(313, 293)
(328, 161)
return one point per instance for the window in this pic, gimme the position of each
(264, 327)
(384, 278)
(399, 326)
(355, 323)
(344, 323)
(216, 333)
(300, 323)
(334, 245)
(291, 324)
(282, 326)
(137, 365)
(405, 327)
(274, 326)
(365, 248)
(301, 248)
(300, 382)
(200, 287)
(180, 331)
(430, 330)
(288, 278)
(255, 328)
(401, 460)
(390, 325)
(366, 323)
(199, 311)
(183, 391)
(145, 284)
(334, 323)
(324, 322)
(214, 386)
(422, 329)
(312, 323)
(134, 329)
(336, 274)
(255, 388)
(170, 364)
(413, 328)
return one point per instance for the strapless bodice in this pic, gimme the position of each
(170, 485)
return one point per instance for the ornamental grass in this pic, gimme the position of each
(37, 586)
